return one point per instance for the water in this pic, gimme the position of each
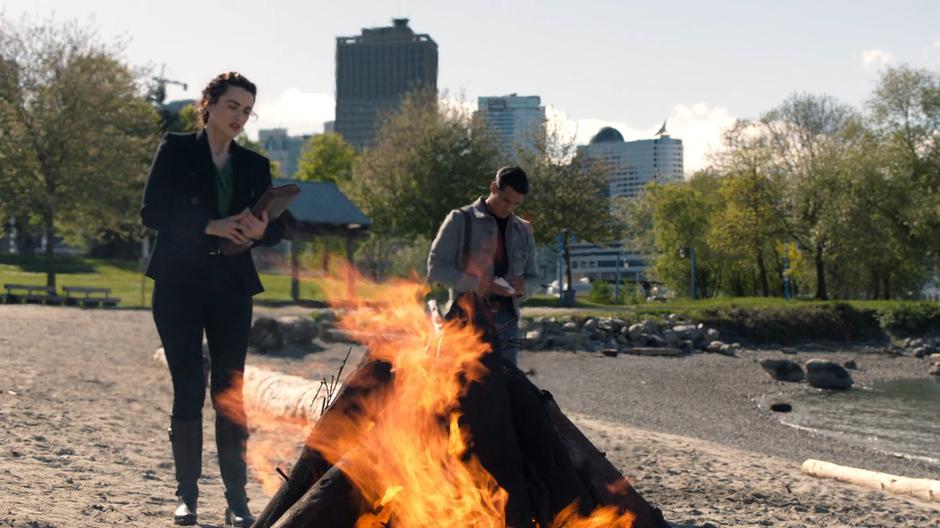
(897, 417)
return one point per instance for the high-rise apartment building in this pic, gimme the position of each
(513, 119)
(374, 70)
(633, 164)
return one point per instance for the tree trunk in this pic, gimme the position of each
(821, 293)
(569, 286)
(762, 269)
(50, 251)
(887, 289)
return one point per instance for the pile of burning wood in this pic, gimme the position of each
(433, 428)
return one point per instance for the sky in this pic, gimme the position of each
(698, 64)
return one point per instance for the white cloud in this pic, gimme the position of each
(876, 59)
(299, 112)
(698, 125)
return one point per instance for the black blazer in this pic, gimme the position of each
(181, 197)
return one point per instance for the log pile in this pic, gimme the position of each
(520, 436)
(517, 432)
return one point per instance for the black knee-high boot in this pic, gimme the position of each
(231, 439)
(186, 441)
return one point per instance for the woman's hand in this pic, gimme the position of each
(252, 226)
(230, 228)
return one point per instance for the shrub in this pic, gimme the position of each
(911, 318)
(601, 293)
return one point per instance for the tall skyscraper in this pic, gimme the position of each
(513, 119)
(633, 164)
(374, 70)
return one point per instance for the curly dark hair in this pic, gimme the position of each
(217, 87)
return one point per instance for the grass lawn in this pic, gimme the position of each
(583, 306)
(125, 278)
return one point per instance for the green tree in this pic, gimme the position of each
(809, 135)
(427, 160)
(566, 193)
(188, 119)
(682, 213)
(748, 227)
(79, 128)
(905, 113)
(326, 157)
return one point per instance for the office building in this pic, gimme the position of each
(374, 70)
(631, 165)
(514, 120)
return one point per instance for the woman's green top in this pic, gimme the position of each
(225, 187)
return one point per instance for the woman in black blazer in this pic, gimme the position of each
(197, 195)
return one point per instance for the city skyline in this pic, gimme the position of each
(623, 65)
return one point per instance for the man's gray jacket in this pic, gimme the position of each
(445, 261)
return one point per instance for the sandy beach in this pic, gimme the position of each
(84, 411)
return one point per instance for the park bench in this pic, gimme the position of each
(31, 293)
(93, 297)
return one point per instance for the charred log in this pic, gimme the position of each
(366, 380)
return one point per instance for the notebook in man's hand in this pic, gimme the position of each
(275, 201)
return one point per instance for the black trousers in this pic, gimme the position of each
(217, 305)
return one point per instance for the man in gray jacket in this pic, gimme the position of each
(499, 264)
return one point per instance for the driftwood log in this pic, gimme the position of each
(922, 488)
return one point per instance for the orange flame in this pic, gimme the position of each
(406, 452)
(409, 461)
(603, 517)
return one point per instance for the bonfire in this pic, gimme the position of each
(434, 429)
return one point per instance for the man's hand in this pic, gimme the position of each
(518, 283)
(229, 227)
(252, 226)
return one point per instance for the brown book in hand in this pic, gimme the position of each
(275, 201)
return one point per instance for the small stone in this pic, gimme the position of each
(649, 326)
(635, 332)
(335, 335)
(298, 330)
(265, 335)
(610, 352)
(783, 369)
(781, 407)
(671, 338)
(823, 374)
(327, 316)
(850, 364)
(715, 347)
